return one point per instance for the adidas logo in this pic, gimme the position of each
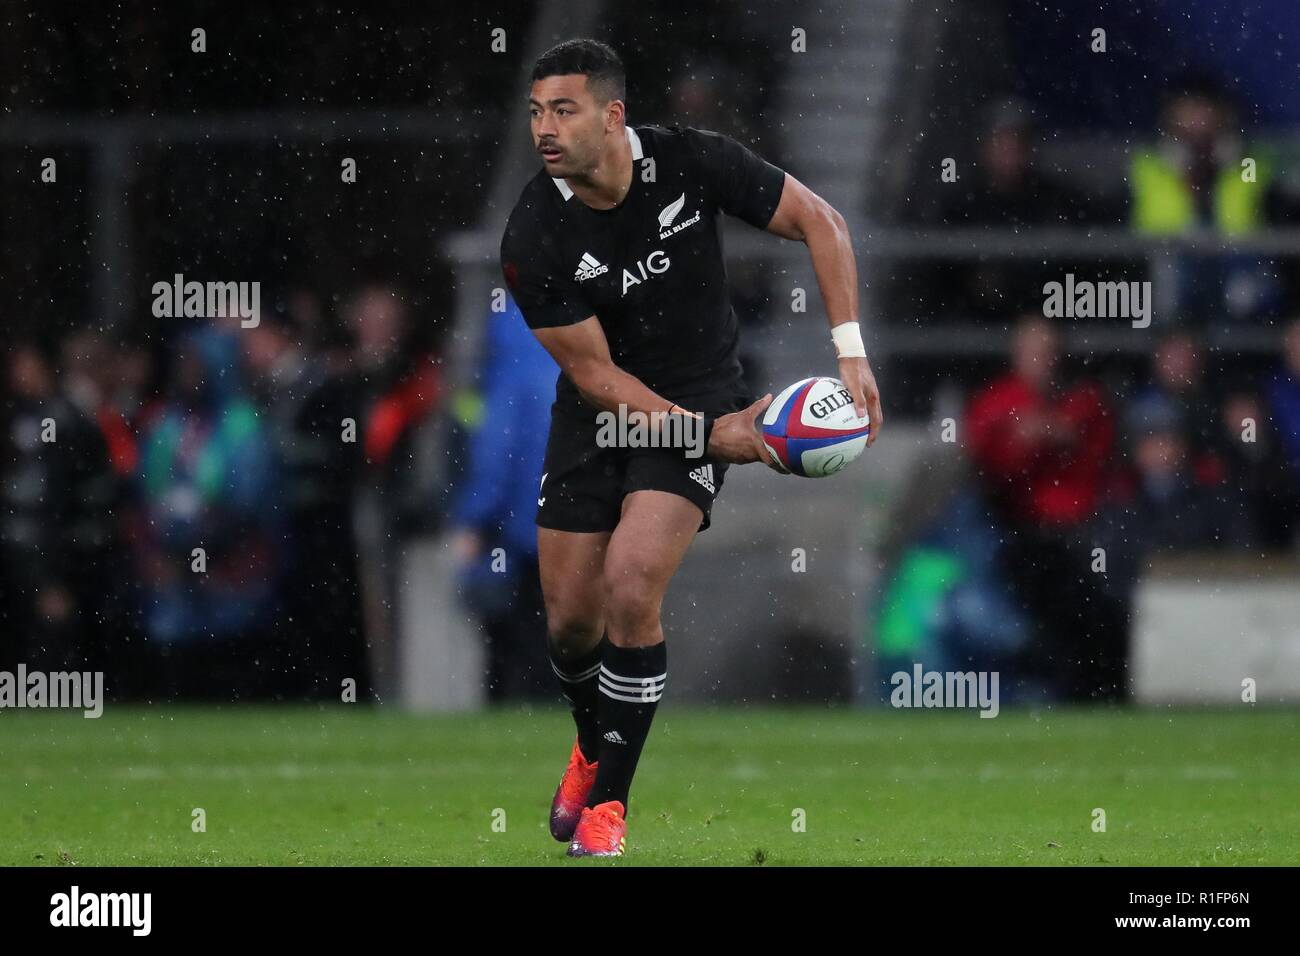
(589, 268)
(704, 475)
(614, 737)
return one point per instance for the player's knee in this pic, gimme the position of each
(631, 599)
(572, 630)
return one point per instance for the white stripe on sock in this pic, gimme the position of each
(576, 678)
(652, 683)
(652, 699)
(646, 693)
(607, 674)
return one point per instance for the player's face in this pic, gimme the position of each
(568, 125)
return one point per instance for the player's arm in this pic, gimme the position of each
(804, 216)
(560, 316)
(582, 352)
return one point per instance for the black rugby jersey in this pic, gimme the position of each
(650, 269)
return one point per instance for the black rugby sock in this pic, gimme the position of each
(578, 682)
(631, 683)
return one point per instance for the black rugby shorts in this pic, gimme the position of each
(583, 484)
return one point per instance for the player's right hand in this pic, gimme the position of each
(736, 438)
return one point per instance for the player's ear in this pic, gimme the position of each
(615, 114)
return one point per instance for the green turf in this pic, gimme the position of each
(344, 785)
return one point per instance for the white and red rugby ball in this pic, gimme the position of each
(812, 429)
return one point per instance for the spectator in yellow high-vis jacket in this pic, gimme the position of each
(1200, 176)
(1196, 176)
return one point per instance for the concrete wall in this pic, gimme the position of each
(1200, 631)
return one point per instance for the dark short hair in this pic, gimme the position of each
(603, 68)
(1198, 85)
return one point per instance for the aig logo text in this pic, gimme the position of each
(654, 264)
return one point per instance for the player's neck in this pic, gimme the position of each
(608, 184)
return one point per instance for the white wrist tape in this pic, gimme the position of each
(848, 340)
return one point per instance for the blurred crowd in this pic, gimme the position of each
(213, 512)
(1070, 490)
(1196, 173)
(1085, 487)
(1085, 462)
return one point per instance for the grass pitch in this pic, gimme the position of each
(342, 785)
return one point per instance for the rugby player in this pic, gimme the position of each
(614, 256)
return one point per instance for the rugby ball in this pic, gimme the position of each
(812, 430)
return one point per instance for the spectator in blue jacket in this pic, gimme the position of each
(494, 511)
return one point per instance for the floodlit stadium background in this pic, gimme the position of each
(377, 561)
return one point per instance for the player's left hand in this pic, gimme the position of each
(736, 437)
(856, 375)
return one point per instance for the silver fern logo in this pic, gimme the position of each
(669, 215)
(671, 210)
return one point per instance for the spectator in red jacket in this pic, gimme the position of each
(1042, 445)
(1042, 448)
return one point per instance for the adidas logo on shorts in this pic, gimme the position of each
(589, 267)
(704, 475)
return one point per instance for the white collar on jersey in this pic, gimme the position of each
(633, 140)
